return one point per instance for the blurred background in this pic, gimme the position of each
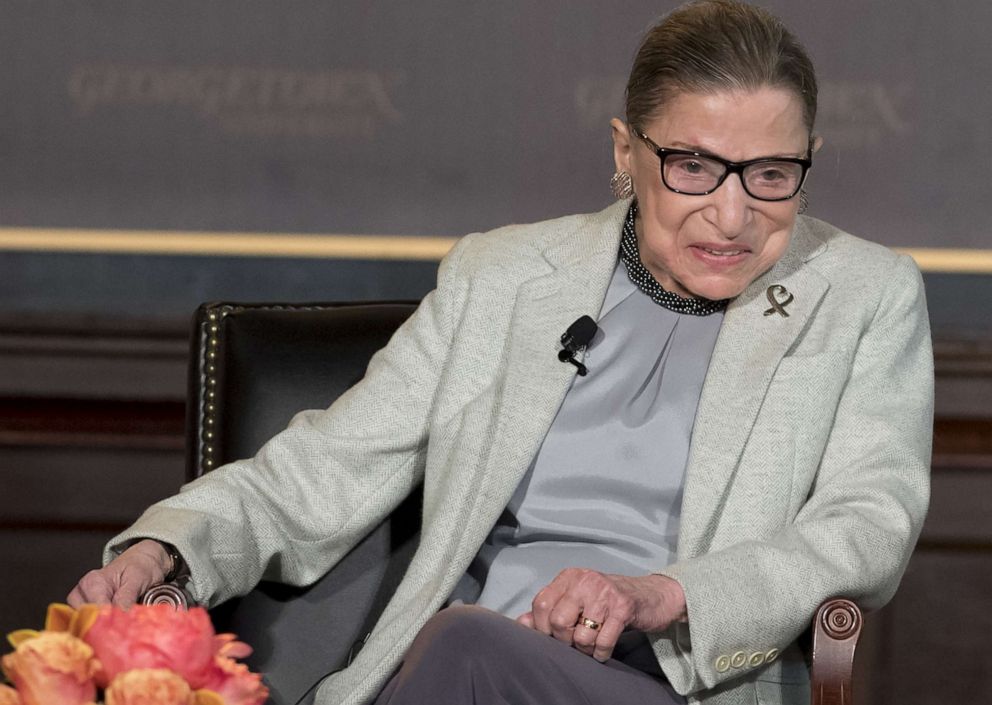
(157, 155)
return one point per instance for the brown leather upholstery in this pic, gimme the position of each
(255, 365)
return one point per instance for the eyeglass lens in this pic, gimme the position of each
(771, 180)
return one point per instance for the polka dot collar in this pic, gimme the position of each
(646, 282)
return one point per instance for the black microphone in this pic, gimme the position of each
(575, 339)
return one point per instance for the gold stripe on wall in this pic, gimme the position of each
(369, 247)
(933, 259)
(224, 244)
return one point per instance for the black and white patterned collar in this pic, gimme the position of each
(646, 282)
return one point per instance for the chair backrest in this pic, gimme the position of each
(252, 367)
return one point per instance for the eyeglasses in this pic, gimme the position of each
(699, 174)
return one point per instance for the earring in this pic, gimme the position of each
(803, 201)
(621, 185)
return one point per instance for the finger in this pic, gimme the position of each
(586, 634)
(526, 619)
(607, 638)
(75, 598)
(95, 588)
(544, 602)
(585, 637)
(563, 618)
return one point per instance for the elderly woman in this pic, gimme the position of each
(655, 513)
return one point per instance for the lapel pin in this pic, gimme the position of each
(779, 297)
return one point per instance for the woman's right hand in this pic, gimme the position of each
(122, 581)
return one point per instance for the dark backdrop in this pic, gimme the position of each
(437, 118)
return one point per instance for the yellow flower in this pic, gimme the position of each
(148, 686)
(52, 667)
(9, 696)
(60, 618)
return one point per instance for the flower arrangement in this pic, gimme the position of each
(146, 655)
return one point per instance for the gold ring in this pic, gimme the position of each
(589, 623)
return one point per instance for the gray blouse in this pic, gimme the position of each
(605, 489)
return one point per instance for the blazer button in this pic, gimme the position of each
(722, 664)
(771, 655)
(738, 660)
(757, 658)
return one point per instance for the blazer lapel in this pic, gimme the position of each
(748, 350)
(535, 381)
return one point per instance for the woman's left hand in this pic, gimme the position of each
(649, 603)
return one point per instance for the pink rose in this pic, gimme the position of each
(153, 636)
(235, 683)
(148, 686)
(53, 667)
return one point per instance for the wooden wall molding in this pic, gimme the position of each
(91, 423)
(75, 356)
(83, 357)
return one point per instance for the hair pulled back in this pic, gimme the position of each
(717, 45)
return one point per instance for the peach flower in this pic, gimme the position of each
(153, 636)
(148, 686)
(9, 696)
(228, 645)
(235, 683)
(53, 667)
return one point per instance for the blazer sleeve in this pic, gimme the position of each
(314, 490)
(855, 533)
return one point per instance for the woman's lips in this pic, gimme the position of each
(719, 256)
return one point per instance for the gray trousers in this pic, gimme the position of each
(468, 655)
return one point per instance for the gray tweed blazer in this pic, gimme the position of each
(808, 474)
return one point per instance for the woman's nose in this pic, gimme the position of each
(731, 209)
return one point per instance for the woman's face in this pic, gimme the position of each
(715, 245)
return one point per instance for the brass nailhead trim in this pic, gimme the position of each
(208, 410)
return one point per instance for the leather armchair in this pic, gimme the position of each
(252, 367)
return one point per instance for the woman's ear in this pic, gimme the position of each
(817, 143)
(622, 144)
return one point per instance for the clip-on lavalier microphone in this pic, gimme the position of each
(576, 338)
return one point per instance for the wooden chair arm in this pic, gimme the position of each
(167, 594)
(836, 628)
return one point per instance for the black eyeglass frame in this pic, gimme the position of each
(731, 168)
